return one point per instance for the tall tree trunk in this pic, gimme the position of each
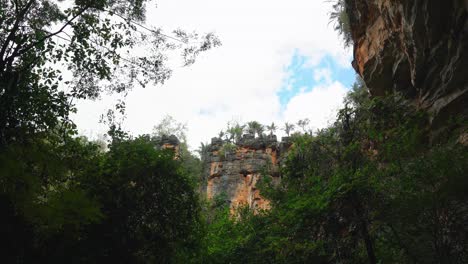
(363, 228)
(367, 241)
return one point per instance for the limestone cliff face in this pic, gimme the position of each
(416, 47)
(233, 173)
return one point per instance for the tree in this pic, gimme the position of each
(203, 149)
(260, 130)
(254, 127)
(170, 126)
(89, 39)
(50, 206)
(235, 131)
(272, 128)
(221, 134)
(150, 204)
(303, 123)
(288, 128)
(63, 197)
(45, 206)
(370, 188)
(362, 190)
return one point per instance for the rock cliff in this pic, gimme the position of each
(418, 48)
(169, 142)
(233, 170)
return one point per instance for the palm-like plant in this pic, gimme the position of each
(250, 128)
(288, 128)
(221, 134)
(229, 134)
(272, 128)
(260, 130)
(235, 132)
(203, 151)
(255, 127)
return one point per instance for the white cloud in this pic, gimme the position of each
(241, 78)
(320, 105)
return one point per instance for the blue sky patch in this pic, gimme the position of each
(302, 77)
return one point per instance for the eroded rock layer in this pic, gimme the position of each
(233, 174)
(418, 48)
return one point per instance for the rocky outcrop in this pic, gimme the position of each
(418, 48)
(169, 142)
(233, 170)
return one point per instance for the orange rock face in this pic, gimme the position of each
(417, 48)
(234, 175)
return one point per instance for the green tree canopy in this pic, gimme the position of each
(90, 39)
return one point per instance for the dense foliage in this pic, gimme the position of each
(370, 188)
(69, 202)
(64, 199)
(373, 187)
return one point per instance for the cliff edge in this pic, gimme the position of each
(418, 48)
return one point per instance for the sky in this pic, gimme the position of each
(280, 61)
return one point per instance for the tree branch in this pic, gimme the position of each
(12, 33)
(15, 2)
(32, 45)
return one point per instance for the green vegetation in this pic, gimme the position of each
(63, 197)
(227, 148)
(169, 127)
(235, 131)
(340, 18)
(255, 128)
(369, 189)
(372, 188)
